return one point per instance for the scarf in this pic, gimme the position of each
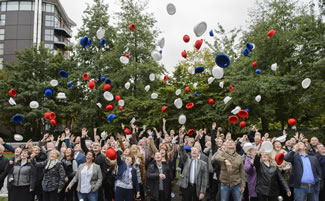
(51, 163)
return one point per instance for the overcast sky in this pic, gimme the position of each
(229, 13)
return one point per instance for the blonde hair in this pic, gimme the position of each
(36, 147)
(56, 152)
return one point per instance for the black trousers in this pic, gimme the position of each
(161, 197)
(267, 198)
(51, 196)
(189, 193)
(214, 187)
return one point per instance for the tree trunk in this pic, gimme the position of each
(265, 124)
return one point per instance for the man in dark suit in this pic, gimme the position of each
(3, 166)
(306, 173)
(194, 178)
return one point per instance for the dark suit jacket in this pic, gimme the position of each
(80, 158)
(297, 169)
(202, 178)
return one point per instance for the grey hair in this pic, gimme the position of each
(2, 147)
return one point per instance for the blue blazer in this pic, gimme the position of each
(80, 158)
(122, 166)
(297, 169)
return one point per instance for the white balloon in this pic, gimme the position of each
(182, 119)
(124, 60)
(99, 105)
(156, 55)
(217, 72)
(147, 88)
(61, 95)
(200, 28)
(195, 85)
(258, 98)
(191, 70)
(121, 102)
(178, 92)
(236, 110)
(274, 66)
(154, 95)
(152, 77)
(18, 137)
(12, 101)
(127, 85)
(227, 99)
(161, 43)
(133, 120)
(267, 147)
(33, 104)
(178, 103)
(306, 83)
(210, 80)
(108, 96)
(54, 83)
(100, 33)
(171, 9)
(103, 135)
(221, 84)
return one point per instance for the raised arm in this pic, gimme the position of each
(153, 146)
(83, 141)
(164, 127)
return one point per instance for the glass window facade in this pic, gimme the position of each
(2, 19)
(1, 65)
(49, 21)
(48, 7)
(25, 5)
(12, 5)
(3, 6)
(1, 48)
(2, 34)
(49, 35)
(50, 46)
(17, 5)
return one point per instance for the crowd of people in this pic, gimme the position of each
(151, 164)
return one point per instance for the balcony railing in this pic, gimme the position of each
(63, 30)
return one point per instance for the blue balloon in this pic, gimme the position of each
(69, 84)
(222, 60)
(258, 71)
(102, 42)
(187, 148)
(63, 73)
(84, 41)
(199, 69)
(89, 42)
(103, 78)
(160, 51)
(48, 92)
(153, 134)
(247, 110)
(17, 118)
(211, 33)
(196, 94)
(246, 52)
(250, 46)
(108, 81)
(110, 118)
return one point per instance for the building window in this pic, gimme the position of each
(48, 8)
(1, 48)
(1, 65)
(49, 35)
(3, 6)
(2, 34)
(12, 5)
(2, 19)
(49, 21)
(50, 46)
(56, 22)
(25, 5)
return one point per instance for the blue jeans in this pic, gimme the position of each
(303, 192)
(225, 190)
(92, 196)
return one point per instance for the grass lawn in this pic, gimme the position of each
(8, 155)
(3, 199)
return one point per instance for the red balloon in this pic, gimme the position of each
(210, 101)
(127, 55)
(107, 87)
(120, 108)
(53, 122)
(85, 76)
(242, 124)
(233, 119)
(184, 54)
(254, 64)
(127, 131)
(292, 121)
(164, 108)
(189, 105)
(111, 154)
(91, 84)
(271, 33)
(109, 107)
(187, 89)
(12, 93)
(231, 88)
(190, 132)
(186, 38)
(47, 115)
(243, 114)
(198, 44)
(117, 98)
(165, 78)
(132, 27)
(279, 158)
(52, 115)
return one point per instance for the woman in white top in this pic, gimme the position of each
(89, 178)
